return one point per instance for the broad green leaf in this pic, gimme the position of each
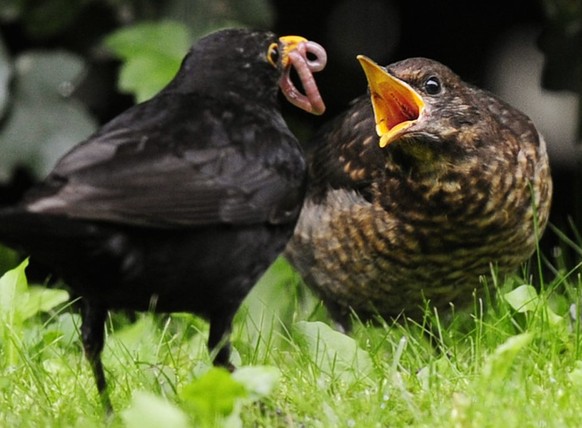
(168, 38)
(149, 411)
(44, 121)
(336, 354)
(259, 381)
(275, 301)
(20, 301)
(40, 299)
(523, 298)
(213, 397)
(501, 360)
(152, 54)
(138, 335)
(12, 284)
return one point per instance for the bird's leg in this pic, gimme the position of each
(219, 341)
(340, 316)
(93, 337)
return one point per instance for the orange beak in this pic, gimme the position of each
(396, 105)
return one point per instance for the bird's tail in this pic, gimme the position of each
(36, 233)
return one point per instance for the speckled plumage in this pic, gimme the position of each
(466, 188)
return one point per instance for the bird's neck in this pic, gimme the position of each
(420, 162)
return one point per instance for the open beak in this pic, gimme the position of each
(294, 54)
(396, 105)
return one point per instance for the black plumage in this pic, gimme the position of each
(181, 202)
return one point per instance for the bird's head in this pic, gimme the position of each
(253, 64)
(420, 100)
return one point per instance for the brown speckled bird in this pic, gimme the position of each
(416, 191)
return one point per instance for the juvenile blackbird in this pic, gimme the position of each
(416, 191)
(180, 203)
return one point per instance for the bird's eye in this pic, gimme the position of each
(273, 54)
(432, 86)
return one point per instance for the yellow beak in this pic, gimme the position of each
(396, 105)
(289, 43)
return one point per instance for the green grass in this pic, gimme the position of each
(513, 359)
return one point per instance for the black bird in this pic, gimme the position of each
(416, 191)
(181, 202)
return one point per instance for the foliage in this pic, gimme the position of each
(152, 53)
(521, 342)
(34, 132)
(214, 399)
(335, 354)
(42, 110)
(19, 303)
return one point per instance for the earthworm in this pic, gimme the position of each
(311, 101)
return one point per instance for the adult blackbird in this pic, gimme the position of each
(417, 191)
(180, 203)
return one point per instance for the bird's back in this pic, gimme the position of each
(179, 204)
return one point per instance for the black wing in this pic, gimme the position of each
(180, 160)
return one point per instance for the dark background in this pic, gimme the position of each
(516, 48)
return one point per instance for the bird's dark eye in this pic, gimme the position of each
(432, 86)
(273, 54)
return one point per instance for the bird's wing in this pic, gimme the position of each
(189, 166)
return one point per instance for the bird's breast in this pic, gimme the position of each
(418, 238)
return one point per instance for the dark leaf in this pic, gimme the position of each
(44, 121)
